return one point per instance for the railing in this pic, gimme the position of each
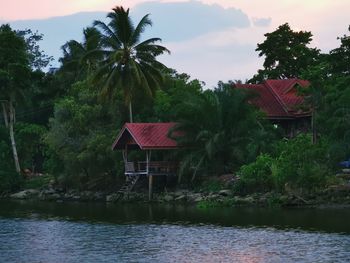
(154, 167)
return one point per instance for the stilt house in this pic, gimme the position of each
(150, 138)
(283, 106)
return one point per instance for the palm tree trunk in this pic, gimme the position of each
(12, 136)
(130, 111)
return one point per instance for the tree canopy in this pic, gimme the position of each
(129, 64)
(286, 54)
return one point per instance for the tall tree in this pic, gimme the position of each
(74, 59)
(129, 64)
(286, 54)
(14, 75)
(37, 58)
(329, 96)
(340, 57)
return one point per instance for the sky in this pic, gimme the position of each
(211, 40)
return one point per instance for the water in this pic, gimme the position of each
(58, 232)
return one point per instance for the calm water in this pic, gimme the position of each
(57, 232)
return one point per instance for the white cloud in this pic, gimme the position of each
(225, 55)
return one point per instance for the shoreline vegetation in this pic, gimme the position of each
(336, 197)
(61, 124)
(212, 195)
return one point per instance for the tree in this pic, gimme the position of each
(216, 127)
(340, 57)
(286, 54)
(37, 58)
(79, 138)
(74, 59)
(14, 75)
(129, 64)
(329, 96)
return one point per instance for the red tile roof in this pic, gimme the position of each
(278, 98)
(145, 136)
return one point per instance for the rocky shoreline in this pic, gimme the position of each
(223, 198)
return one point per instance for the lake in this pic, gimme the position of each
(86, 232)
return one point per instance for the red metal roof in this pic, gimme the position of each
(145, 136)
(278, 98)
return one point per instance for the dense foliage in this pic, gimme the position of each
(286, 54)
(295, 163)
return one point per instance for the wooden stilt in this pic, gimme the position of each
(150, 186)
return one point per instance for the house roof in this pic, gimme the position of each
(278, 98)
(145, 136)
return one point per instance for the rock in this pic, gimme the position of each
(49, 191)
(168, 198)
(181, 198)
(243, 200)
(284, 199)
(112, 197)
(179, 193)
(213, 196)
(193, 197)
(199, 199)
(53, 197)
(225, 192)
(87, 196)
(25, 194)
(99, 196)
(76, 197)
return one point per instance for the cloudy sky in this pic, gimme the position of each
(211, 40)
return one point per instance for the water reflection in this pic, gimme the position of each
(327, 220)
(58, 232)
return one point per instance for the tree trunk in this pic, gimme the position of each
(12, 136)
(130, 111)
(6, 118)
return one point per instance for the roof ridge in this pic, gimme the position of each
(278, 98)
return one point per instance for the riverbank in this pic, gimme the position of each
(333, 196)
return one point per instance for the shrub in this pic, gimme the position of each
(296, 162)
(300, 163)
(256, 177)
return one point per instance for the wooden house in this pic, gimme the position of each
(150, 138)
(282, 104)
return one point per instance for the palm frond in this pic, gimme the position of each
(140, 28)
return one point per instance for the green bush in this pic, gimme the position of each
(300, 163)
(295, 162)
(256, 177)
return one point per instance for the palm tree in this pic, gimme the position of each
(129, 64)
(74, 54)
(216, 128)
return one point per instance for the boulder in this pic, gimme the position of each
(199, 199)
(25, 194)
(192, 197)
(112, 197)
(243, 200)
(52, 197)
(168, 198)
(180, 198)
